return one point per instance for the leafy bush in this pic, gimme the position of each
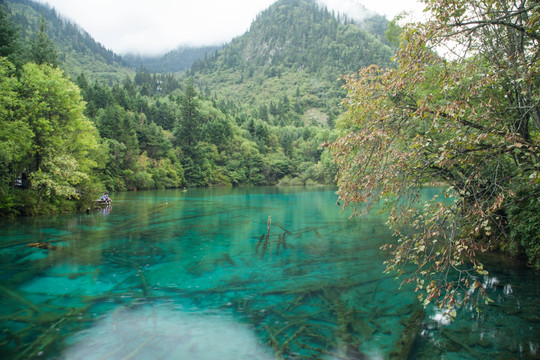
(524, 223)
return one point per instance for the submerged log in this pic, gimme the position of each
(43, 245)
(404, 345)
(228, 259)
(144, 284)
(259, 244)
(273, 342)
(286, 346)
(460, 344)
(51, 335)
(19, 298)
(267, 238)
(12, 337)
(282, 228)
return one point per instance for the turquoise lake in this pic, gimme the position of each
(242, 273)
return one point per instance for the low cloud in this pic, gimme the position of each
(157, 26)
(353, 9)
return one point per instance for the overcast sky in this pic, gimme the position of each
(157, 26)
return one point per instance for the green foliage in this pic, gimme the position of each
(152, 140)
(218, 131)
(15, 133)
(523, 223)
(189, 130)
(64, 140)
(47, 144)
(42, 49)
(470, 121)
(164, 114)
(167, 173)
(289, 62)
(10, 46)
(77, 50)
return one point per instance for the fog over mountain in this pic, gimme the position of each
(156, 27)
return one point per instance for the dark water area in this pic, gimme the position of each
(201, 275)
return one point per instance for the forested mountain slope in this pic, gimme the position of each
(289, 62)
(174, 61)
(79, 52)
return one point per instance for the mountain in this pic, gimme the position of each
(293, 48)
(290, 61)
(284, 70)
(174, 61)
(253, 112)
(79, 52)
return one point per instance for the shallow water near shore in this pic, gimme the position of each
(243, 273)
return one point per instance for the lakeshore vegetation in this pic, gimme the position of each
(462, 108)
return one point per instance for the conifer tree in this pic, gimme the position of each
(42, 49)
(9, 43)
(188, 133)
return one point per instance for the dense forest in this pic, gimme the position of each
(285, 68)
(254, 112)
(77, 50)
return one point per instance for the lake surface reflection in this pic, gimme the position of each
(201, 275)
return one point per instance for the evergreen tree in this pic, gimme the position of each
(188, 133)
(9, 38)
(42, 49)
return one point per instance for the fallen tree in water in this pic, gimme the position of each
(411, 329)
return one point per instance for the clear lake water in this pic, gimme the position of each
(204, 274)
